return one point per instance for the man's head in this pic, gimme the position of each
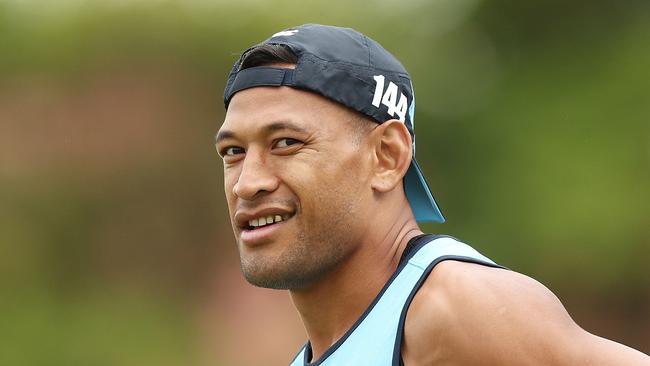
(322, 169)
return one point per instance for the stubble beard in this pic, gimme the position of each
(307, 260)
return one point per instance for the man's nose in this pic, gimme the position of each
(255, 178)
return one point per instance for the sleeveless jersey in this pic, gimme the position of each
(376, 337)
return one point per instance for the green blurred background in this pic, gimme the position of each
(115, 245)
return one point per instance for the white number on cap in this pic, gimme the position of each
(389, 98)
(286, 33)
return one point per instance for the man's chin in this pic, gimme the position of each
(273, 282)
(277, 279)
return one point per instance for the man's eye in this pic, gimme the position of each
(286, 142)
(232, 150)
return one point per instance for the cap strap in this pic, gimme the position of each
(259, 76)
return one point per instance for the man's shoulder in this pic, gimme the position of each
(458, 292)
(462, 306)
(456, 288)
(458, 281)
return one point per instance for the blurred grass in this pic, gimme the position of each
(99, 327)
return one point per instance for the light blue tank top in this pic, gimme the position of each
(376, 338)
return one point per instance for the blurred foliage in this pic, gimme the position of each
(532, 123)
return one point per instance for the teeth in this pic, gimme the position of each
(263, 221)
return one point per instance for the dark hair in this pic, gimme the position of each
(268, 54)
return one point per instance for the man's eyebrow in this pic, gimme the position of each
(284, 125)
(271, 127)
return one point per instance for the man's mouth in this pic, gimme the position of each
(263, 221)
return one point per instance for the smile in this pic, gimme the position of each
(266, 221)
(262, 229)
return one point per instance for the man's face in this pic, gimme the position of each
(297, 184)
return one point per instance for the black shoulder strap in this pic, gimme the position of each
(416, 243)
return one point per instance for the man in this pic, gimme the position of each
(324, 195)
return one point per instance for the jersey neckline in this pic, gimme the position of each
(412, 247)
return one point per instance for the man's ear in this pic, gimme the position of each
(392, 150)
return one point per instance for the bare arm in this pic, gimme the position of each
(467, 314)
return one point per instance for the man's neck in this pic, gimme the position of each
(330, 307)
